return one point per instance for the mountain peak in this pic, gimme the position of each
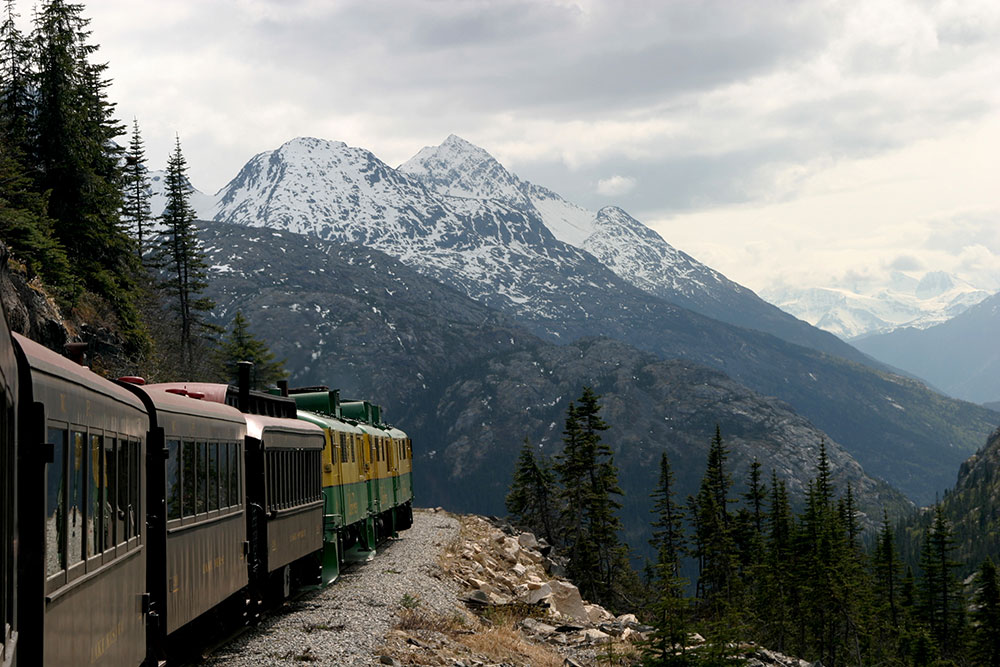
(458, 168)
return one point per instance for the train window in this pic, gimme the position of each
(213, 476)
(124, 479)
(173, 479)
(353, 445)
(188, 478)
(201, 479)
(95, 513)
(109, 503)
(134, 513)
(55, 504)
(237, 472)
(223, 474)
(77, 478)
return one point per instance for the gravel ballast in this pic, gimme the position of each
(346, 623)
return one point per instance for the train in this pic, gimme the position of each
(130, 513)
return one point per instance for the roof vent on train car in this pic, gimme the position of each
(132, 379)
(77, 353)
(178, 391)
(283, 387)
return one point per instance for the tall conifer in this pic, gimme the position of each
(184, 262)
(136, 212)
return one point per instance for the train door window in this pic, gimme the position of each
(213, 476)
(188, 478)
(55, 503)
(134, 515)
(173, 479)
(109, 503)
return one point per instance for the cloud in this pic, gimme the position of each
(906, 263)
(615, 185)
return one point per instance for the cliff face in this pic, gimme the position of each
(29, 309)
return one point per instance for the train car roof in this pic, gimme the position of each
(372, 430)
(328, 421)
(396, 432)
(44, 360)
(211, 391)
(167, 401)
(278, 432)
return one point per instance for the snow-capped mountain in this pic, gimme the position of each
(634, 252)
(857, 310)
(502, 255)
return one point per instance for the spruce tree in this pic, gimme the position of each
(985, 647)
(942, 598)
(241, 345)
(136, 213)
(669, 609)
(16, 100)
(589, 481)
(77, 159)
(531, 499)
(184, 263)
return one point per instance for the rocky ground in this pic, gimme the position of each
(456, 591)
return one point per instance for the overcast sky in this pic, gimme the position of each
(795, 141)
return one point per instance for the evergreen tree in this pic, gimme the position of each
(589, 481)
(942, 599)
(715, 544)
(531, 498)
(985, 647)
(242, 345)
(136, 212)
(27, 230)
(16, 100)
(669, 610)
(77, 158)
(184, 262)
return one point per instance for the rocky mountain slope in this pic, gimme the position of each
(469, 385)
(961, 356)
(896, 428)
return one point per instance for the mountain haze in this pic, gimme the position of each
(960, 356)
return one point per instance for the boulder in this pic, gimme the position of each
(625, 619)
(597, 614)
(527, 541)
(566, 600)
(538, 594)
(518, 570)
(595, 635)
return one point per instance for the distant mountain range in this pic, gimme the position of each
(867, 307)
(454, 215)
(961, 356)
